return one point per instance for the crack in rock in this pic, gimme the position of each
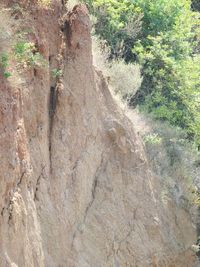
(38, 183)
(101, 167)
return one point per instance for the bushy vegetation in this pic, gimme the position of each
(4, 64)
(26, 54)
(56, 73)
(19, 54)
(124, 79)
(175, 162)
(117, 22)
(163, 36)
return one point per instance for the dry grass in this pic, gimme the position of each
(6, 29)
(45, 3)
(124, 79)
(71, 3)
(172, 158)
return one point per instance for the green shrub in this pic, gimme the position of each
(170, 88)
(4, 63)
(56, 73)
(117, 22)
(26, 54)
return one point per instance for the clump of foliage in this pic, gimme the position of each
(4, 58)
(117, 22)
(170, 88)
(163, 36)
(26, 54)
(56, 73)
(23, 52)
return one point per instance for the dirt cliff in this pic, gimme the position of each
(75, 186)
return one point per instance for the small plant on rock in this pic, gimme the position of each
(56, 73)
(26, 54)
(4, 59)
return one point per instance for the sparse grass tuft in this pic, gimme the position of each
(44, 3)
(56, 73)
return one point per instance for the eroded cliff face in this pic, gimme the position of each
(75, 186)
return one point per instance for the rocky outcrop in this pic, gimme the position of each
(75, 186)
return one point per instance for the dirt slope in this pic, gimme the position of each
(75, 186)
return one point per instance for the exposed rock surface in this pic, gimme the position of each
(75, 186)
